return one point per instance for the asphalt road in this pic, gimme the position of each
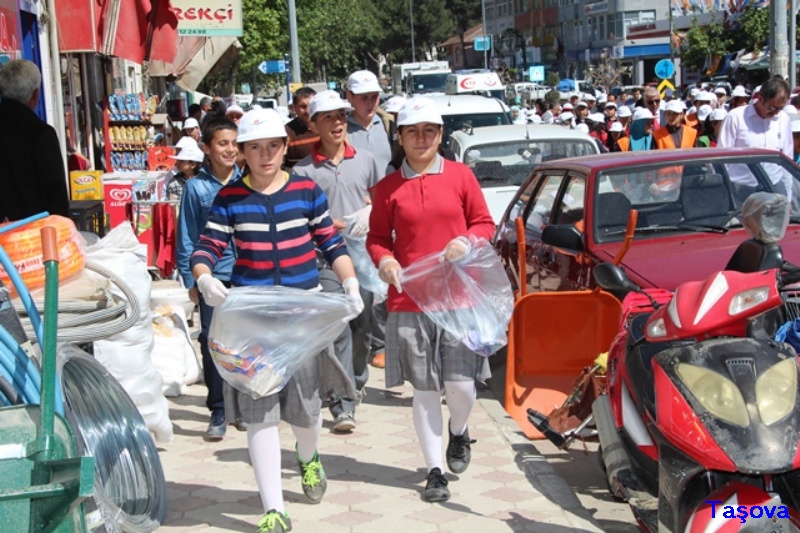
(579, 467)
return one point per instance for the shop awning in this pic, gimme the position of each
(136, 30)
(196, 58)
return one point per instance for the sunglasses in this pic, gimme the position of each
(774, 109)
(648, 102)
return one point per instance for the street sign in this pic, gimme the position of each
(536, 73)
(663, 86)
(483, 43)
(273, 66)
(665, 69)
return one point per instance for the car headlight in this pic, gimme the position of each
(776, 391)
(747, 299)
(718, 394)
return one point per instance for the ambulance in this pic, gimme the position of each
(485, 82)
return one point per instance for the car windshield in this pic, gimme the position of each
(699, 195)
(429, 83)
(473, 120)
(511, 162)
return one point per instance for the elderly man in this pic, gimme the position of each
(33, 177)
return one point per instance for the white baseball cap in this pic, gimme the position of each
(642, 113)
(704, 112)
(395, 103)
(703, 96)
(611, 104)
(363, 81)
(796, 124)
(719, 114)
(597, 117)
(260, 124)
(739, 91)
(624, 111)
(185, 142)
(234, 109)
(676, 106)
(190, 122)
(589, 96)
(190, 153)
(566, 116)
(581, 104)
(615, 127)
(720, 90)
(327, 101)
(418, 110)
(583, 128)
(567, 107)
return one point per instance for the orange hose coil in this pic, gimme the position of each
(24, 246)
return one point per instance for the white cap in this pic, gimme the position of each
(418, 110)
(589, 96)
(186, 142)
(327, 101)
(190, 122)
(796, 124)
(534, 118)
(694, 92)
(676, 106)
(739, 91)
(616, 126)
(642, 113)
(624, 111)
(704, 112)
(566, 116)
(611, 104)
(283, 111)
(720, 90)
(789, 108)
(567, 107)
(583, 128)
(719, 114)
(234, 109)
(260, 124)
(395, 103)
(703, 96)
(363, 81)
(597, 117)
(190, 153)
(581, 103)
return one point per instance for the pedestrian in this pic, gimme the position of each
(610, 111)
(195, 112)
(761, 124)
(796, 138)
(404, 229)
(615, 133)
(674, 134)
(33, 177)
(739, 97)
(624, 117)
(205, 107)
(345, 174)
(641, 132)
(234, 113)
(187, 166)
(75, 159)
(219, 145)
(652, 101)
(191, 128)
(711, 130)
(301, 137)
(275, 221)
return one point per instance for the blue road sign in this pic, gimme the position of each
(665, 69)
(536, 73)
(273, 66)
(483, 43)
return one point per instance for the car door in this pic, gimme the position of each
(562, 269)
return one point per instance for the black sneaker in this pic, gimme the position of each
(344, 422)
(458, 451)
(216, 427)
(436, 488)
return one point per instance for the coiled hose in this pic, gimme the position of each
(130, 488)
(88, 321)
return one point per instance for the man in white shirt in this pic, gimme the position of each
(760, 124)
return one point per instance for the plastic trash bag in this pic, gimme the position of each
(261, 335)
(471, 298)
(366, 273)
(790, 334)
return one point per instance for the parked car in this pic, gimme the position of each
(462, 111)
(503, 157)
(688, 201)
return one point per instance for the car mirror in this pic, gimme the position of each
(563, 236)
(613, 279)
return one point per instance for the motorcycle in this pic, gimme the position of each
(700, 427)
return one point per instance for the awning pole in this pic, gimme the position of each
(55, 75)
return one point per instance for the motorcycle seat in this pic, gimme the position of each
(755, 256)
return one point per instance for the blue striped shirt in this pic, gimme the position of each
(275, 235)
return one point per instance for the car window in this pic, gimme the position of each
(475, 120)
(540, 208)
(570, 205)
(522, 200)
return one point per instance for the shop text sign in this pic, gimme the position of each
(9, 33)
(209, 18)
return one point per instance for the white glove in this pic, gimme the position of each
(353, 294)
(212, 289)
(358, 222)
(390, 272)
(456, 249)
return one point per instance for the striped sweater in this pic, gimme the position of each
(274, 235)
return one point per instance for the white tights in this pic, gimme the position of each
(427, 412)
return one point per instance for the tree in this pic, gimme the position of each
(752, 29)
(703, 43)
(465, 14)
(433, 24)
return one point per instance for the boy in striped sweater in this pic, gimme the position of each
(276, 222)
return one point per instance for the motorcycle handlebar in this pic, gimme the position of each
(789, 274)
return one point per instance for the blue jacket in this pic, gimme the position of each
(198, 195)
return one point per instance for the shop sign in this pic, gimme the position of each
(596, 8)
(208, 18)
(10, 41)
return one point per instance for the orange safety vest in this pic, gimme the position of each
(663, 140)
(624, 144)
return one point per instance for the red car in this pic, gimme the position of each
(689, 205)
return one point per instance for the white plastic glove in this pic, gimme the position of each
(212, 289)
(353, 294)
(456, 249)
(390, 272)
(358, 222)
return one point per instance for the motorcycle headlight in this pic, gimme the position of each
(747, 299)
(718, 394)
(657, 329)
(776, 391)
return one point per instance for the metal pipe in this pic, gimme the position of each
(57, 120)
(411, 22)
(778, 58)
(483, 16)
(793, 44)
(295, 47)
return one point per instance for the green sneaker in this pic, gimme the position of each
(314, 481)
(274, 522)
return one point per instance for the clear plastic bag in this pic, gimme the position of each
(366, 273)
(471, 298)
(261, 335)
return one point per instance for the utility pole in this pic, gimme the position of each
(778, 57)
(483, 16)
(411, 18)
(793, 44)
(295, 48)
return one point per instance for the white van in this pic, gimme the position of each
(502, 157)
(469, 111)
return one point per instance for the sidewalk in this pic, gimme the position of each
(375, 476)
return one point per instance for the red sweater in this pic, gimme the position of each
(425, 213)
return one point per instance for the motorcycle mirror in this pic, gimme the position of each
(613, 279)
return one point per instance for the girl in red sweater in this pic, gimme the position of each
(428, 205)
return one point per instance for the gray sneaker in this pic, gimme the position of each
(216, 427)
(314, 481)
(458, 451)
(436, 487)
(344, 423)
